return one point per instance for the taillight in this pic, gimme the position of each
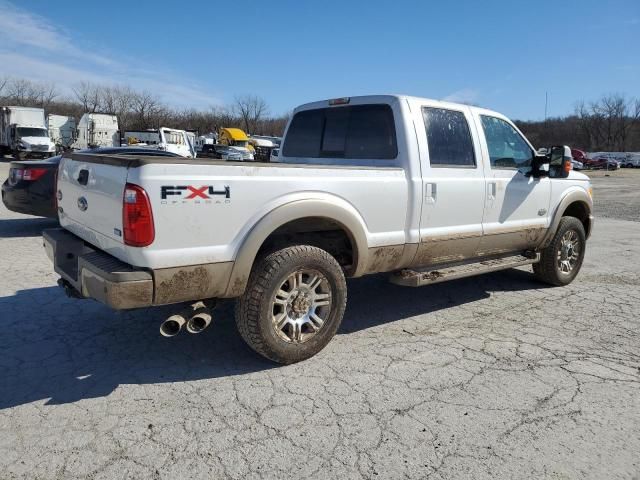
(31, 174)
(27, 174)
(137, 218)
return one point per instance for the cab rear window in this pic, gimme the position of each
(358, 132)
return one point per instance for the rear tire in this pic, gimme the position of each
(293, 304)
(562, 259)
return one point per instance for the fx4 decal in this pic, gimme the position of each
(205, 193)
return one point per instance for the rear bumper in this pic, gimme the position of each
(96, 274)
(92, 273)
(22, 199)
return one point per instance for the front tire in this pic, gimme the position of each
(293, 304)
(562, 259)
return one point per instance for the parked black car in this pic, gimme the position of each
(31, 185)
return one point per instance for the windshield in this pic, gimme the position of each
(32, 132)
(175, 138)
(239, 143)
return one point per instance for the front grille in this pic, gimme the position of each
(39, 148)
(263, 153)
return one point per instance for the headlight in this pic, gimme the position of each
(23, 145)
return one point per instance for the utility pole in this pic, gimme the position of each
(546, 103)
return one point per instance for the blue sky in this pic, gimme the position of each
(502, 55)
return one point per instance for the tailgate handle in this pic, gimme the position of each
(83, 177)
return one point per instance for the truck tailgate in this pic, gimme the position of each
(90, 201)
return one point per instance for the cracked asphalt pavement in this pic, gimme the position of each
(489, 377)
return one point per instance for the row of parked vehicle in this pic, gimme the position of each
(26, 132)
(604, 160)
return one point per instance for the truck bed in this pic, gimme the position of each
(204, 209)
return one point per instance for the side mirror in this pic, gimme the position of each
(537, 162)
(560, 161)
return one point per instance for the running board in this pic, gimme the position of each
(429, 275)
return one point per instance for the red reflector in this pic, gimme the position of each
(137, 218)
(339, 101)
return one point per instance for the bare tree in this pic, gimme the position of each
(140, 110)
(3, 83)
(122, 108)
(251, 109)
(88, 94)
(47, 93)
(608, 121)
(146, 109)
(22, 92)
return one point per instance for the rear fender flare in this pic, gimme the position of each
(335, 209)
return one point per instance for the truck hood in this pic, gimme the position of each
(573, 175)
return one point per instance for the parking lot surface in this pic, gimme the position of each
(488, 377)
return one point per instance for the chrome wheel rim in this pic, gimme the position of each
(301, 305)
(569, 252)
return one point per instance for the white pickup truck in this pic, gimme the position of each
(426, 190)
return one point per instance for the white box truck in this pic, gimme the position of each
(206, 139)
(97, 130)
(23, 132)
(167, 139)
(62, 130)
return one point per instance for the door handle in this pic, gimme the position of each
(492, 190)
(431, 192)
(83, 177)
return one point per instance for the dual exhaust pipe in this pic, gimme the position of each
(194, 319)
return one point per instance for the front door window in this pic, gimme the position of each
(507, 148)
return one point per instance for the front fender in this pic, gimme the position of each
(575, 194)
(332, 208)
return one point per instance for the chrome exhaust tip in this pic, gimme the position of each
(199, 321)
(172, 326)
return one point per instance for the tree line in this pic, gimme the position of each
(610, 123)
(141, 110)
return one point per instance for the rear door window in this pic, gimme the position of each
(336, 124)
(448, 138)
(356, 132)
(305, 134)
